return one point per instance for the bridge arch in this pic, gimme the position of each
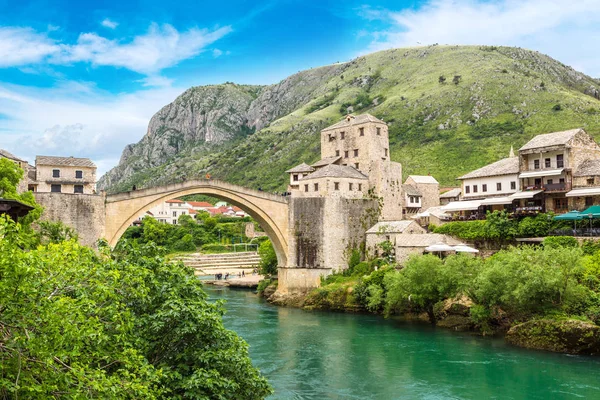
(269, 210)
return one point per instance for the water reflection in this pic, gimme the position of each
(316, 355)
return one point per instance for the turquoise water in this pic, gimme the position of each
(318, 355)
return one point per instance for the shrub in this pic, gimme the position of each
(268, 258)
(557, 107)
(560, 241)
(216, 248)
(185, 244)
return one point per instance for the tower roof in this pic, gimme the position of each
(336, 171)
(351, 120)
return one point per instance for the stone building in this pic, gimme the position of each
(22, 187)
(427, 186)
(386, 231)
(450, 195)
(63, 175)
(297, 173)
(410, 244)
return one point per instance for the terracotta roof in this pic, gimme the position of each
(505, 166)
(394, 226)
(64, 161)
(304, 167)
(6, 154)
(336, 171)
(551, 139)
(354, 120)
(423, 178)
(199, 204)
(174, 201)
(588, 168)
(192, 211)
(450, 193)
(411, 190)
(326, 161)
(423, 239)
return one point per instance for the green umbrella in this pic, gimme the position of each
(594, 211)
(570, 216)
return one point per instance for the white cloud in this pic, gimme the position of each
(76, 119)
(108, 23)
(566, 31)
(21, 46)
(217, 53)
(161, 47)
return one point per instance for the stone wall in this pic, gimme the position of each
(83, 212)
(324, 230)
(67, 180)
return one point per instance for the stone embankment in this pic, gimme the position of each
(223, 264)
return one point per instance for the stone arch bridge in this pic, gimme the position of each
(269, 210)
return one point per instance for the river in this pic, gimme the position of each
(322, 355)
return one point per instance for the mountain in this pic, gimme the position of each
(450, 109)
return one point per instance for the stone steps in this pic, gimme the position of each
(204, 263)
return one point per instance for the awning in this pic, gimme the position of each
(439, 247)
(570, 216)
(593, 191)
(462, 205)
(525, 195)
(539, 173)
(496, 201)
(462, 248)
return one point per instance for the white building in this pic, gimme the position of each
(169, 211)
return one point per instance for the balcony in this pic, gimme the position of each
(557, 187)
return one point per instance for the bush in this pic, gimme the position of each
(216, 248)
(185, 244)
(268, 258)
(560, 241)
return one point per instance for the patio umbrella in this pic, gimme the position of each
(570, 216)
(463, 248)
(439, 247)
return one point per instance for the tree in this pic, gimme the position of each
(268, 258)
(442, 79)
(75, 323)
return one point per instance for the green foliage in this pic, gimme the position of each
(560, 241)
(499, 227)
(354, 259)
(76, 324)
(56, 232)
(268, 258)
(10, 175)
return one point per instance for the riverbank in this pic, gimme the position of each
(248, 281)
(545, 298)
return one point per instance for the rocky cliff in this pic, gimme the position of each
(450, 109)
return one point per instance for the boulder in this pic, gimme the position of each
(561, 336)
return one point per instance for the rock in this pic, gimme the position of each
(456, 322)
(563, 336)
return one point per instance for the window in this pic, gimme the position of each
(174, 213)
(536, 164)
(385, 151)
(356, 165)
(336, 186)
(378, 131)
(560, 204)
(342, 135)
(498, 186)
(346, 154)
(549, 181)
(560, 161)
(337, 153)
(56, 173)
(174, 222)
(355, 152)
(513, 185)
(474, 188)
(55, 188)
(78, 189)
(589, 201)
(306, 188)
(362, 131)
(350, 186)
(537, 182)
(412, 199)
(484, 188)
(316, 187)
(360, 186)
(331, 137)
(78, 174)
(590, 181)
(547, 163)
(561, 180)
(467, 189)
(295, 177)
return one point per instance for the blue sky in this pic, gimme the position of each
(83, 78)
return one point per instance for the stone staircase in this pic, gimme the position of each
(209, 264)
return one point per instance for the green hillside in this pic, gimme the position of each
(450, 109)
